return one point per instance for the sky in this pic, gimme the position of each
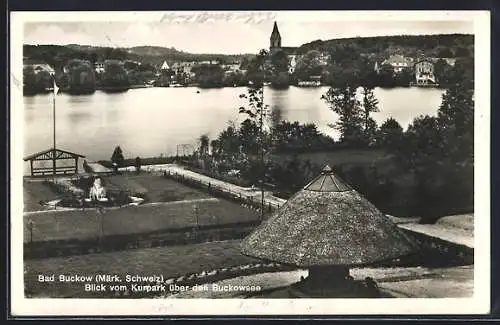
(227, 33)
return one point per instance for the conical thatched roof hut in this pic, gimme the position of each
(327, 224)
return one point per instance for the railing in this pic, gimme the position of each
(252, 201)
(50, 171)
(223, 191)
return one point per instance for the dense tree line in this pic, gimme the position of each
(58, 55)
(449, 45)
(80, 77)
(114, 75)
(351, 60)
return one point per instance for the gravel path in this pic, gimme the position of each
(415, 282)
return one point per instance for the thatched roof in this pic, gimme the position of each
(327, 223)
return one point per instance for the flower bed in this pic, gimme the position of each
(74, 194)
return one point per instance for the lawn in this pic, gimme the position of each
(154, 187)
(160, 189)
(350, 157)
(78, 224)
(34, 192)
(167, 261)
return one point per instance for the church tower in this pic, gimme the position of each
(275, 39)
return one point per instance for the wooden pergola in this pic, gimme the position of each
(54, 155)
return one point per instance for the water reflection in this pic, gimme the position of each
(153, 121)
(75, 118)
(76, 98)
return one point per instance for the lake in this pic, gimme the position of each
(154, 121)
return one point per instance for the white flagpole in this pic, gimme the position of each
(55, 89)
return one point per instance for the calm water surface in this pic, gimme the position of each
(153, 121)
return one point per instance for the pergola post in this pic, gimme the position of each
(31, 166)
(76, 164)
(54, 162)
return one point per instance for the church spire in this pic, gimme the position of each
(275, 41)
(275, 29)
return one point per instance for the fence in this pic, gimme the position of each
(225, 192)
(117, 242)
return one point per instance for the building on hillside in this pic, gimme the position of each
(293, 53)
(399, 62)
(424, 72)
(313, 81)
(38, 66)
(182, 65)
(99, 66)
(137, 63)
(208, 62)
(232, 69)
(292, 64)
(449, 61)
(76, 63)
(324, 58)
(164, 66)
(113, 61)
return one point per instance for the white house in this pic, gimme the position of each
(99, 67)
(399, 62)
(424, 72)
(39, 66)
(165, 66)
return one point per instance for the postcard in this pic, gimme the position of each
(250, 163)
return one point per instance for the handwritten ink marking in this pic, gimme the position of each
(207, 17)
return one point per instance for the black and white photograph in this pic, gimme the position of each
(250, 162)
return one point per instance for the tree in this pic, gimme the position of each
(204, 143)
(256, 71)
(308, 65)
(369, 105)
(456, 120)
(386, 76)
(209, 75)
(439, 153)
(117, 158)
(30, 85)
(280, 80)
(444, 52)
(344, 103)
(215, 147)
(258, 112)
(249, 135)
(390, 134)
(138, 165)
(403, 78)
(279, 62)
(94, 57)
(81, 77)
(462, 52)
(442, 71)
(114, 75)
(229, 143)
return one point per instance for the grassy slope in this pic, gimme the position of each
(167, 261)
(177, 213)
(134, 220)
(34, 192)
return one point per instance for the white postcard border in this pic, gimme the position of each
(478, 304)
